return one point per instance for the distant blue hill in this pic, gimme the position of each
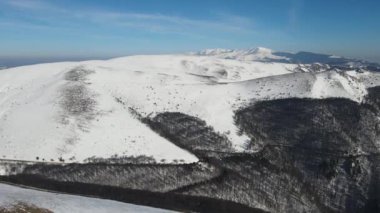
(311, 58)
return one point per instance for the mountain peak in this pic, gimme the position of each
(212, 52)
(260, 50)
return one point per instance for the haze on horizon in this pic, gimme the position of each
(48, 30)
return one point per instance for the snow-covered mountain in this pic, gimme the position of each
(78, 111)
(255, 54)
(218, 131)
(267, 55)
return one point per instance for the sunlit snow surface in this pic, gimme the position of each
(80, 110)
(62, 203)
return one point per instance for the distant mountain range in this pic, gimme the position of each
(253, 54)
(268, 55)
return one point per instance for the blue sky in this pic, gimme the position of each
(107, 28)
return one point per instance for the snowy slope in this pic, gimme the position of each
(87, 109)
(44, 115)
(63, 203)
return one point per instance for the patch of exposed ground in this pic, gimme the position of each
(78, 105)
(22, 207)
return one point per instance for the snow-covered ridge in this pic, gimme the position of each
(254, 54)
(267, 55)
(79, 110)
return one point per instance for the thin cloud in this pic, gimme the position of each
(162, 23)
(157, 23)
(293, 13)
(27, 4)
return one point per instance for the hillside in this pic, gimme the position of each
(76, 111)
(215, 130)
